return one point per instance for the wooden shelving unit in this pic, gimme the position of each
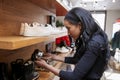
(12, 14)
(15, 42)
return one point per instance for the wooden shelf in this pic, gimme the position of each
(15, 42)
(46, 4)
(60, 9)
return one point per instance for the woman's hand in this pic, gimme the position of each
(41, 62)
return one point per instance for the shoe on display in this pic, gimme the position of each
(62, 49)
(33, 30)
(17, 69)
(22, 29)
(63, 41)
(23, 70)
(36, 54)
(29, 71)
(3, 71)
(36, 29)
(52, 29)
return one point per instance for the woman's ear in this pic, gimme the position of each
(80, 25)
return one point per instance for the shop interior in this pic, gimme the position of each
(20, 36)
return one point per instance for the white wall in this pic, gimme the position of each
(110, 20)
(111, 16)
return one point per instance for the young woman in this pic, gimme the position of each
(92, 51)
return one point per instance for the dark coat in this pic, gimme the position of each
(89, 63)
(92, 52)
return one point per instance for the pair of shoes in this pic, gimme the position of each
(33, 30)
(36, 54)
(22, 70)
(17, 69)
(62, 47)
(3, 71)
(30, 73)
(36, 29)
(63, 41)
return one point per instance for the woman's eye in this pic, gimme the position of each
(68, 28)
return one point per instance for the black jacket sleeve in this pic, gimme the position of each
(71, 60)
(84, 64)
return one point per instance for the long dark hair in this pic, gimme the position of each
(89, 26)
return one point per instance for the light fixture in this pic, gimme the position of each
(104, 8)
(96, 3)
(91, 0)
(84, 4)
(113, 1)
(81, 4)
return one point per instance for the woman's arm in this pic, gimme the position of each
(81, 68)
(70, 60)
(43, 63)
(53, 57)
(58, 58)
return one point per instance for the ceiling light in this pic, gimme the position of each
(81, 4)
(104, 8)
(113, 1)
(95, 3)
(91, 0)
(84, 4)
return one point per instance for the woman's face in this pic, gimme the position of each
(73, 30)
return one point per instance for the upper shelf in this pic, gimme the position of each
(46, 4)
(15, 42)
(60, 10)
